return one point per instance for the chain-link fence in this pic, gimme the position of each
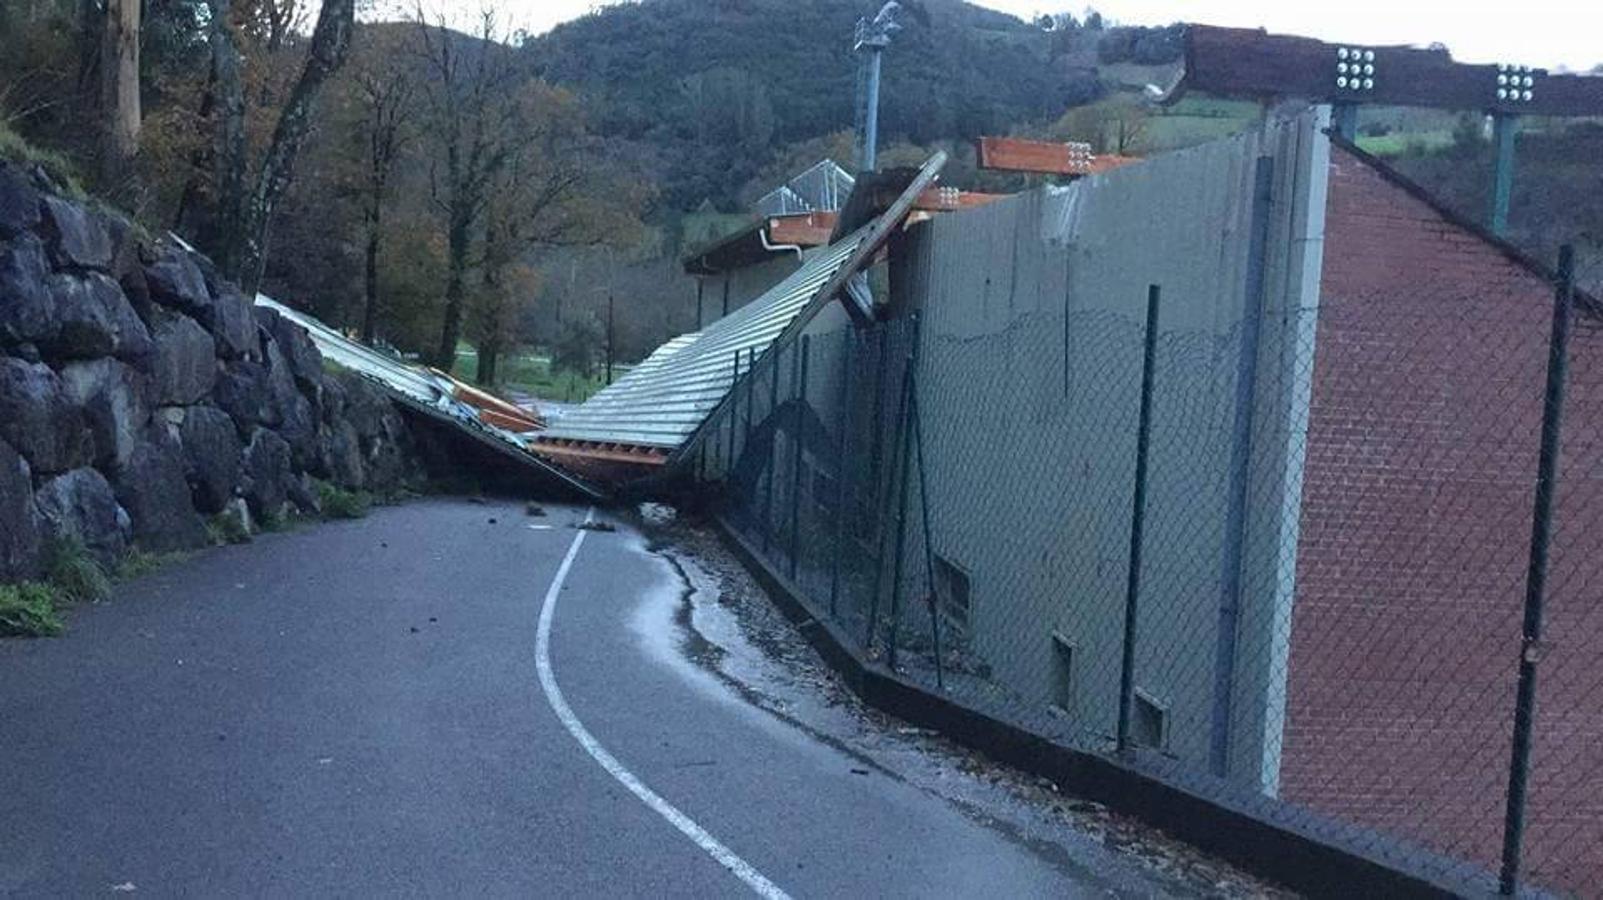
(1328, 617)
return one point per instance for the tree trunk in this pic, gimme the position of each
(457, 263)
(229, 99)
(201, 159)
(119, 89)
(370, 279)
(489, 357)
(90, 37)
(331, 40)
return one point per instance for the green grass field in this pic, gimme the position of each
(1399, 143)
(1195, 120)
(532, 374)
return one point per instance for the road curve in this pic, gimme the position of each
(358, 708)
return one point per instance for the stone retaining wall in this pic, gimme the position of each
(141, 394)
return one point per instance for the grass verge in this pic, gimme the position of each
(28, 609)
(338, 503)
(15, 149)
(76, 576)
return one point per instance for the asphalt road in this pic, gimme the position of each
(358, 708)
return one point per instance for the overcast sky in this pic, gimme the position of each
(1534, 32)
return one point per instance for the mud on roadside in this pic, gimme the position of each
(731, 629)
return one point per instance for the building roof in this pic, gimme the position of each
(1583, 301)
(758, 241)
(663, 403)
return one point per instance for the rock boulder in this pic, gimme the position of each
(230, 321)
(185, 361)
(95, 320)
(39, 419)
(175, 281)
(19, 201)
(244, 391)
(116, 406)
(152, 487)
(77, 238)
(80, 505)
(212, 456)
(268, 474)
(19, 518)
(27, 314)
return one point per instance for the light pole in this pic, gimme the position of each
(871, 39)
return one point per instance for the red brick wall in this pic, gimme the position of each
(1421, 460)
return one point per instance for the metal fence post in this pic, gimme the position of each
(800, 393)
(751, 400)
(734, 417)
(773, 446)
(1137, 521)
(1536, 573)
(843, 466)
(875, 440)
(905, 444)
(929, 540)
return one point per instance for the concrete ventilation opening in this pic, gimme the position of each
(952, 587)
(1149, 721)
(1062, 672)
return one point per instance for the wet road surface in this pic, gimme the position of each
(357, 708)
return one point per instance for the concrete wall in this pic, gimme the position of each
(1030, 361)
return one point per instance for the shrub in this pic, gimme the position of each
(228, 528)
(28, 610)
(142, 562)
(339, 503)
(76, 576)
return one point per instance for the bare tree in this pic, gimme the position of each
(384, 92)
(466, 95)
(225, 98)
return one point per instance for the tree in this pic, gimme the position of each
(331, 40)
(244, 209)
(578, 344)
(119, 88)
(468, 115)
(1115, 125)
(504, 296)
(550, 189)
(225, 100)
(384, 90)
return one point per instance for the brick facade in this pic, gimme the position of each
(1421, 459)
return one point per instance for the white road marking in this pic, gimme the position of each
(553, 695)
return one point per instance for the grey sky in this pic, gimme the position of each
(1533, 32)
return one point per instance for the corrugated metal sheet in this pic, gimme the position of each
(665, 399)
(664, 403)
(421, 390)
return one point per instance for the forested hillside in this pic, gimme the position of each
(473, 197)
(709, 91)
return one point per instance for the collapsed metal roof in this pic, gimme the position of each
(662, 403)
(476, 415)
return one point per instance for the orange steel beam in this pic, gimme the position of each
(619, 453)
(1044, 157)
(947, 199)
(510, 423)
(806, 230)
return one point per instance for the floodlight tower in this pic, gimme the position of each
(871, 39)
